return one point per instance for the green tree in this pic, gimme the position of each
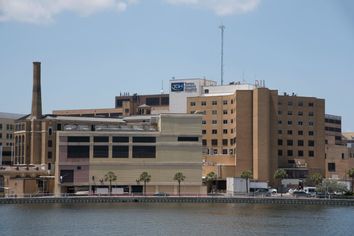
(351, 175)
(247, 174)
(179, 177)
(110, 176)
(329, 186)
(279, 175)
(209, 179)
(314, 179)
(145, 177)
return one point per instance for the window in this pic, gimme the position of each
(290, 122)
(50, 155)
(224, 142)
(119, 102)
(300, 132)
(280, 112)
(206, 91)
(144, 139)
(187, 139)
(214, 122)
(290, 113)
(203, 103)
(289, 142)
(290, 153)
(154, 101)
(224, 102)
(342, 156)
(280, 122)
(0, 126)
(231, 151)
(290, 132)
(215, 151)
(311, 133)
(232, 111)
(214, 131)
(214, 112)
(50, 131)
(50, 143)
(311, 104)
(192, 104)
(100, 151)
(224, 122)
(280, 131)
(214, 103)
(224, 151)
(280, 142)
(290, 103)
(66, 176)
(75, 151)
(311, 153)
(311, 113)
(120, 151)
(232, 121)
(311, 123)
(300, 123)
(214, 142)
(300, 104)
(300, 143)
(204, 122)
(300, 113)
(144, 152)
(300, 153)
(311, 143)
(120, 139)
(204, 142)
(78, 139)
(224, 112)
(224, 131)
(165, 101)
(203, 131)
(280, 153)
(100, 139)
(232, 101)
(58, 126)
(331, 167)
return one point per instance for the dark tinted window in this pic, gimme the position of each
(100, 151)
(66, 176)
(75, 151)
(332, 167)
(144, 152)
(119, 102)
(120, 151)
(100, 139)
(144, 139)
(153, 101)
(78, 139)
(165, 101)
(121, 139)
(188, 139)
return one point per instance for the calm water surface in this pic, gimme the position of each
(175, 219)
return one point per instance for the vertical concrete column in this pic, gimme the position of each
(36, 93)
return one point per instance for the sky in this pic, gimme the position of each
(93, 50)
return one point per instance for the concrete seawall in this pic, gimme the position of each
(107, 199)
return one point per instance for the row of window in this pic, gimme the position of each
(214, 122)
(332, 129)
(299, 132)
(289, 142)
(290, 122)
(300, 104)
(300, 153)
(8, 127)
(75, 151)
(214, 112)
(214, 103)
(225, 142)
(105, 139)
(299, 113)
(214, 151)
(215, 131)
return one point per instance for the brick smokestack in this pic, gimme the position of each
(36, 93)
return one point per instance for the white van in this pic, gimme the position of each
(311, 191)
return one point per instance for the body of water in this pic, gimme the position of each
(174, 219)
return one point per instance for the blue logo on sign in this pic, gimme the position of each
(177, 87)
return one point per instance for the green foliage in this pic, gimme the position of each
(209, 178)
(280, 174)
(145, 177)
(314, 179)
(351, 173)
(179, 177)
(247, 174)
(331, 186)
(110, 176)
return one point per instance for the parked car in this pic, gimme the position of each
(300, 193)
(161, 194)
(273, 191)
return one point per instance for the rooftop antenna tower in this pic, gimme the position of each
(222, 28)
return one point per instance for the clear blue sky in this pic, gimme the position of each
(91, 50)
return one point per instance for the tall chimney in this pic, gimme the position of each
(36, 94)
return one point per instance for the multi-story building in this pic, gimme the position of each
(7, 124)
(68, 154)
(250, 127)
(339, 149)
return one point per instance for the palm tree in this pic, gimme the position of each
(280, 174)
(110, 176)
(351, 175)
(247, 174)
(179, 177)
(209, 178)
(315, 178)
(145, 177)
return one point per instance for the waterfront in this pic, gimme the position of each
(174, 219)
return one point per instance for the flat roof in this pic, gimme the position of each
(14, 116)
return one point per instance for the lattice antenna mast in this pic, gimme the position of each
(222, 27)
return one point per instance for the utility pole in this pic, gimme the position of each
(222, 27)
